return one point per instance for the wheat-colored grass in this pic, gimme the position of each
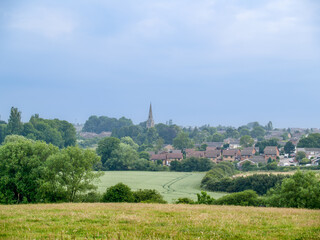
(155, 221)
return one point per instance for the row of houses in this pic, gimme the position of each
(217, 155)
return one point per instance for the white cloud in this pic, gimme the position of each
(50, 23)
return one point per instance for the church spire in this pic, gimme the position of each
(150, 121)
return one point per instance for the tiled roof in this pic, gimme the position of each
(271, 150)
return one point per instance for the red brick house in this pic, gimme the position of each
(271, 152)
(231, 155)
(247, 153)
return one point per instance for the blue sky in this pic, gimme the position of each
(199, 62)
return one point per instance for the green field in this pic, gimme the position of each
(155, 221)
(172, 185)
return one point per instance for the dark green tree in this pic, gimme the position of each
(182, 141)
(106, 146)
(289, 148)
(15, 126)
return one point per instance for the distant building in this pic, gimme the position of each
(271, 152)
(150, 121)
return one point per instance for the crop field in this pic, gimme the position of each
(171, 185)
(155, 221)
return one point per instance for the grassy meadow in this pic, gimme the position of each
(155, 221)
(171, 185)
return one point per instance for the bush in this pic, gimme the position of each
(204, 198)
(90, 197)
(185, 201)
(245, 198)
(148, 196)
(118, 193)
(302, 190)
(260, 183)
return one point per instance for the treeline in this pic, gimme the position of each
(57, 132)
(122, 154)
(34, 172)
(260, 183)
(192, 164)
(218, 172)
(105, 124)
(312, 141)
(302, 190)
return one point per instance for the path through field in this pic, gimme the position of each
(172, 185)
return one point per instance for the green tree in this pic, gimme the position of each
(289, 148)
(312, 141)
(15, 126)
(3, 132)
(302, 190)
(217, 137)
(182, 141)
(129, 141)
(258, 132)
(106, 146)
(300, 155)
(246, 141)
(22, 168)
(122, 158)
(70, 173)
(269, 126)
(118, 193)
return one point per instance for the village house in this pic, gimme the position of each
(231, 155)
(167, 158)
(213, 155)
(271, 152)
(248, 153)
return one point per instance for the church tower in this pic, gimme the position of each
(150, 121)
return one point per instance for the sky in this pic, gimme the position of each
(199, 62)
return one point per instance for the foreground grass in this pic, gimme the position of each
(154, 221)
(171, 185)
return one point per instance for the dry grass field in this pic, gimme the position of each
(155, 221)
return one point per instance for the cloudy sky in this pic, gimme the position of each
(199, 62)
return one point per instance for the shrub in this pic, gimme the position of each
(148, 196)
(118, 193)
(302, 190)
(184, 201)
(204, 198)
(245, 198)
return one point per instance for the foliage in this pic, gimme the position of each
(122, 193)
(204, 198)
(245, 198)
(182, 141)
(185, 201)
(118, 193)
(246, 141)
(304, 161)
(191, 164)
(148, 196)
(3, 132)
(167, 133)
(21, 169)
(258, 132)
(105, 124)
(302, 190)
(312, 141)
(219, 171)
(260, 183)
(300, 155)
(106, 146)
(289, 148)
(15, 126)
(263, 144)
(69, 173)
(59, 133)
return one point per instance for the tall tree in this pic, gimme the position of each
(289, 148)
(106, 146)
(15, 126)
(70, 173)
(246, 141)
(182, 141)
